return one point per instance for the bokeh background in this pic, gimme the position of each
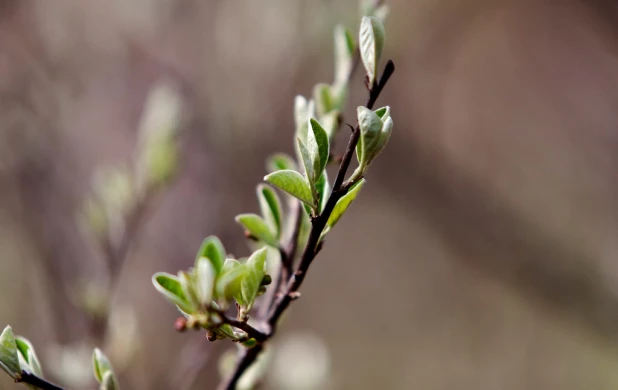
(481, 254)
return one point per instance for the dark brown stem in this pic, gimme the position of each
(245, 327)
(313, 246)
(34, 380)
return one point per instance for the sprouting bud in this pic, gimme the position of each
(180, 324)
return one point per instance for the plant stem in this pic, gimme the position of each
(313, 246)
(34, 380)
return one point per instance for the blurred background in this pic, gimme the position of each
(481, 254)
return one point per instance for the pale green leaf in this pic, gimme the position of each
(323, 145)
(169, 285)
(204, 281)
(344, 54)
(213, 249)
(103, 371)
(308, 163)
(370, 126)
(9, 359)
(26, 350)
(228, 283)
(187, 283)
(258, 228)
(371, 45)
(280, 161)
(253, 277)
(323, 188)
(271, 208)
(323, 98)
(292, 183)
(343, 203)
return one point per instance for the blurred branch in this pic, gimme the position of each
(33, 380)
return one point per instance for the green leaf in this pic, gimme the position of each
(169, 285)
(323, 187)
(258, 228)
(308, 163)
(330, 123)
(228, 283)
(371, 45)
(109, 382)
(253, 277)
(343, 203)
(271, 208)
(280, 161)
(26, 350)
(205, 281)
(292, 183)
(9, 359)
(370, 126)
(344, 54)
(103, 371)
(322, 143)
(187, 283)
(323, 98)
(213, 249)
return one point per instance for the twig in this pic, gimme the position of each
(34, 380)
(313, 246)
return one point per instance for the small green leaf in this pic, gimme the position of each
(213, 249)
(323, 187)
(280, 161)
(370, 126)
(343, 203)
(26, 350)
(330, 123)
(271, 208)
(187, 283)
(205, 281)
(103, 371)
(9, 359)
(371, 45)
(323, 147)
(258, 228)
(323, 98)
(344, 54)
(292, 183)
(308, 163)
(109, 382)
(169, 285)
(228, 283)
(253, 277)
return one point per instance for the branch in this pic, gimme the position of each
(33, 380)
(313, 246)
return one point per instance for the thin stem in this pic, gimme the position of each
(314, 245)
(34, 380)
(248, 329)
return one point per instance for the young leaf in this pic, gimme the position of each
(371, 44)
(344, 54)
(322, 143)
(187, 283)
(323, 188)
(228, 283)
(258, 228)
(280, 161)
(343, 203)
(253, 277)
(213, 249)
(205, 281)
(323, 98)
(9, 359)
(370, 125)
(271, 208)
(308, 163)
(169, 285)
(330, 122)
(26, 352)
(103, 371)
(293, 183)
